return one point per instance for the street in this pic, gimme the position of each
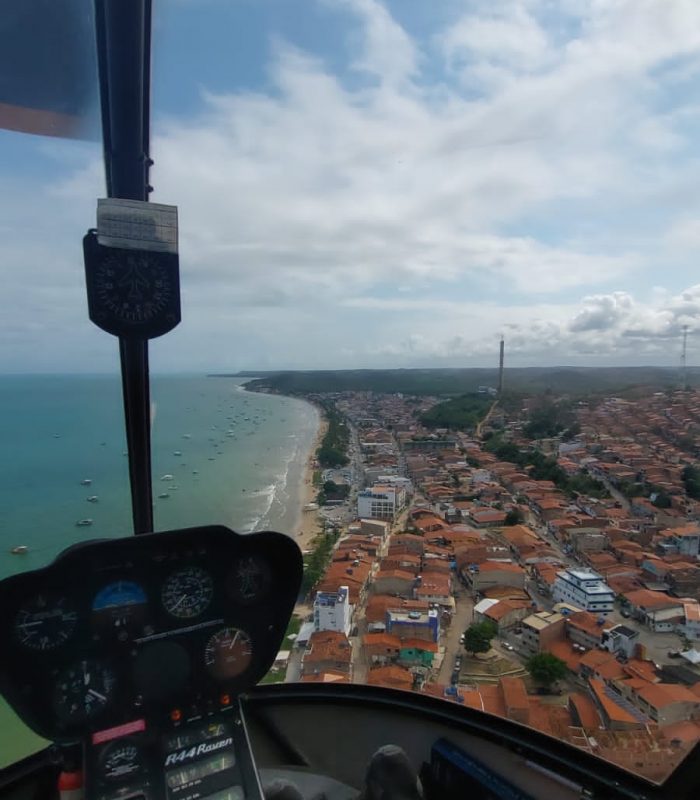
(460, 622)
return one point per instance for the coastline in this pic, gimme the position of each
(303, 526)
(308, 526)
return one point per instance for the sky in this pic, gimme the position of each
(390, 184)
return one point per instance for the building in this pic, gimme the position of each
(434, 588)
(692, 620)
(381, 648)
(620, 639)
(667, 703)
(413, 625)
(583, 629)
(540, 630)
(503, 614)
(686, 540)
(381, 501)
(418, 653)
(333, 611)
(655, 609)
(495, 573)
(584, 588)
(327, 651)
(396, 582)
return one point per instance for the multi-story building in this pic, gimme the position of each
(381, 501)
(333, 611)
(413, 625)
(585, 589)
(540, 630)
(620, 639)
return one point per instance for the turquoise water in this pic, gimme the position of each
(235, 457)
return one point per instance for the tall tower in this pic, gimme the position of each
(500, 368)
(684, 364)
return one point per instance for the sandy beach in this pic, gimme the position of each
(309, 525)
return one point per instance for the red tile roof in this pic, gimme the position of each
(392, 676)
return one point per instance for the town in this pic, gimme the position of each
(553, 581)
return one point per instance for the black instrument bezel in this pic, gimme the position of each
(27, 676)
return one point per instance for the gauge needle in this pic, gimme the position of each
(184, 597)
(96, 694)
(30, 624)
(235, 638)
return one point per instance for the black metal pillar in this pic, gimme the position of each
(123, 30)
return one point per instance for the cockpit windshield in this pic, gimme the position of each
(439, 326)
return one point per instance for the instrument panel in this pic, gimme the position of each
(158, 624)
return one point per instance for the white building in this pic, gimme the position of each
(620, 639)
(585, 589)
(333, 611)
(381, 501)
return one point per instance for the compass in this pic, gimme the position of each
(131, 292)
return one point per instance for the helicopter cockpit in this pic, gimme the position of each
(140, 658)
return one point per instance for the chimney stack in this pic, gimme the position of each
(500, 369)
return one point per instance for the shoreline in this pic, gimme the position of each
(307, 527)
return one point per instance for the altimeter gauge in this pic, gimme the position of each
(45, 622)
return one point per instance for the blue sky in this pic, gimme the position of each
(378, 184)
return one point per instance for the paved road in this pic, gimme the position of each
(615, 494)
(460, 622)
(294, 666)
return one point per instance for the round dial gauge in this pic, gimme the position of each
(187, 592)
(45, 622)
(249, 580)
(135, 291)
(120, 760)
(83, 690)
(228, 653)
(121, 606)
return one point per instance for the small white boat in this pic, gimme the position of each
(93, 498)
(86, 482)
(20, 550)
(177, 453)
(167, 477)
(163, 495)
(83, 523)
(186, 435)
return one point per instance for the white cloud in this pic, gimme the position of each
(336, 219)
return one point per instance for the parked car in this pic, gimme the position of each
(674, 654)
(508, 646)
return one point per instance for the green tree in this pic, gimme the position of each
(546, 668)
(662, 500)
(513, 517)
(477, 637)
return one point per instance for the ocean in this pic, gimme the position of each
(231, 457)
